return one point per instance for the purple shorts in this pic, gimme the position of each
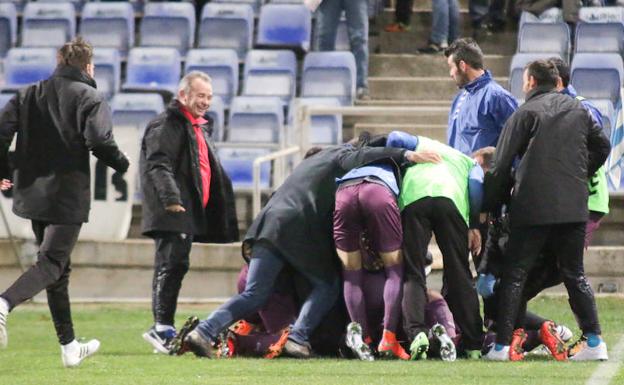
(367, 206)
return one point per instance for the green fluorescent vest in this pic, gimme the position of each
(598, 192)
(447, 179)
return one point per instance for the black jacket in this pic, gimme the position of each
(297, 221)
(170, 174)
(559, 146)
(57, 122)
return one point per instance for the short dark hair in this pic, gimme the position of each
(468, 50)
(563, 68)
(487, 155)
(544, 72)
(76, 53)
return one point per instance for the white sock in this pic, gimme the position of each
(4, 306)
(67, 348)
(163, 328)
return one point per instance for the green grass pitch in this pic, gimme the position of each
(33, 355)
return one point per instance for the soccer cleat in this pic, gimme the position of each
(243, 328)
(176, 346)
(516, 349)
(389, 347)
(160, 341)
(276, 348)
(4, 336)
(497, 353)
(356, 343)
(227, 347)
(197, 344)
(73, 353)
(397, 27)
(447, 347)
(581, 351)
(473, 354)
(297, 350)
(550, 337)
(419, 347)
(564, 333)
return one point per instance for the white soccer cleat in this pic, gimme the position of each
(587, 353)
(356, 343)
(74, 352)
(447, 347)
(497, 355)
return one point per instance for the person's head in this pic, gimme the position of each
(465, 61)
(564, 72)
(485, 157)
(195, 92)
(77, 53)
(539, 73)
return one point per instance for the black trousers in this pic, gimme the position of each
(51, 272)
(440, 216)
(564, 242)
(403, 11)
(170, 266)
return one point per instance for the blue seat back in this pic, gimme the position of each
(254, 4)
(227, 26)
(329, 74)
(4, 99)
(8, 27)
(516, 69)
(19, 4)
(285, 25)
(153, 68)
(107, 71)
(601, 15)
(221, 65)
(597, 75)
(136, 109)
(600, 37)
(217, 114)
(541, 37)
(324, 129)
(238, 164)
(605, 106)
(108, 25)
(550, 16)
(255, 119)
(270, 73)
(24, 66)
(168, 24)
(48, 24)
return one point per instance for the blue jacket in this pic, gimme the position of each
(383, 172)
(589, 106)
(478, 114)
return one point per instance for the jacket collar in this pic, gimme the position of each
(569, 90)
(73, 73)
(479, 82)
(539, 91)
(174, 108)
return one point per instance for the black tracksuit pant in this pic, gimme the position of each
(170, 266)
(51, 272)
(403, 11)
(440, 216)
(565, 243)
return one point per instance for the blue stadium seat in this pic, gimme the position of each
(136, 109)
(48, 24)
(8, 27)
(19, 4)
(107, 71)
(256, 120)
(221, 65)
(24, 66)
(324, 129)
(238, 164)
(549, 16)
(168, 24)
(285, 25)
(154, 69)
(108, 25)
(217, 113)
(605, 106)
(227, 26)
(600, 29)
(516, 69)
(270, 73)
(329, 74)
(541, 37)
(254, 4)
(601, 15)
(77, 4)
(598, 75)
(4, 99)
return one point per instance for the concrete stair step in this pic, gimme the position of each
(405, 65)
(419, 88)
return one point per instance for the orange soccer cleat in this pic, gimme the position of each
(552, 340)
(516, 349)
(276, 348)
(389, 347)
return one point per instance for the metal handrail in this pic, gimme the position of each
(278, 177)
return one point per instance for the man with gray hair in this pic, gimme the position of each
(187, 196)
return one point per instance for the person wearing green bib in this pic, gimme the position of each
(445, 199)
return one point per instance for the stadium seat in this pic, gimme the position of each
(4, 99)
(48, 24)
(168, 24)
(108, 25)
(256, 120)
(600, 29)
(254, 4)
(597, 75)
(516, 69)
(329, 74)
(136, 109)
(19, 4)
(216, 113)
(8, 27)
(107, 71)
(285, 26)
(77, 4)
(270, 73)
(605, 106)
(550, 16)
(324, 129)
(221, 65)
(155, 69)
(238, 164)
(24, 66)
(541, 37)
(601, 15)
(227, 26)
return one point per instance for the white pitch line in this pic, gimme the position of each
(605, 372)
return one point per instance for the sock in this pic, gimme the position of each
(70, 347)
(163, 328)
(4, 306)
(593, 340)
(354, 298)
(392, 296)
(499, 347)
(438, 312)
